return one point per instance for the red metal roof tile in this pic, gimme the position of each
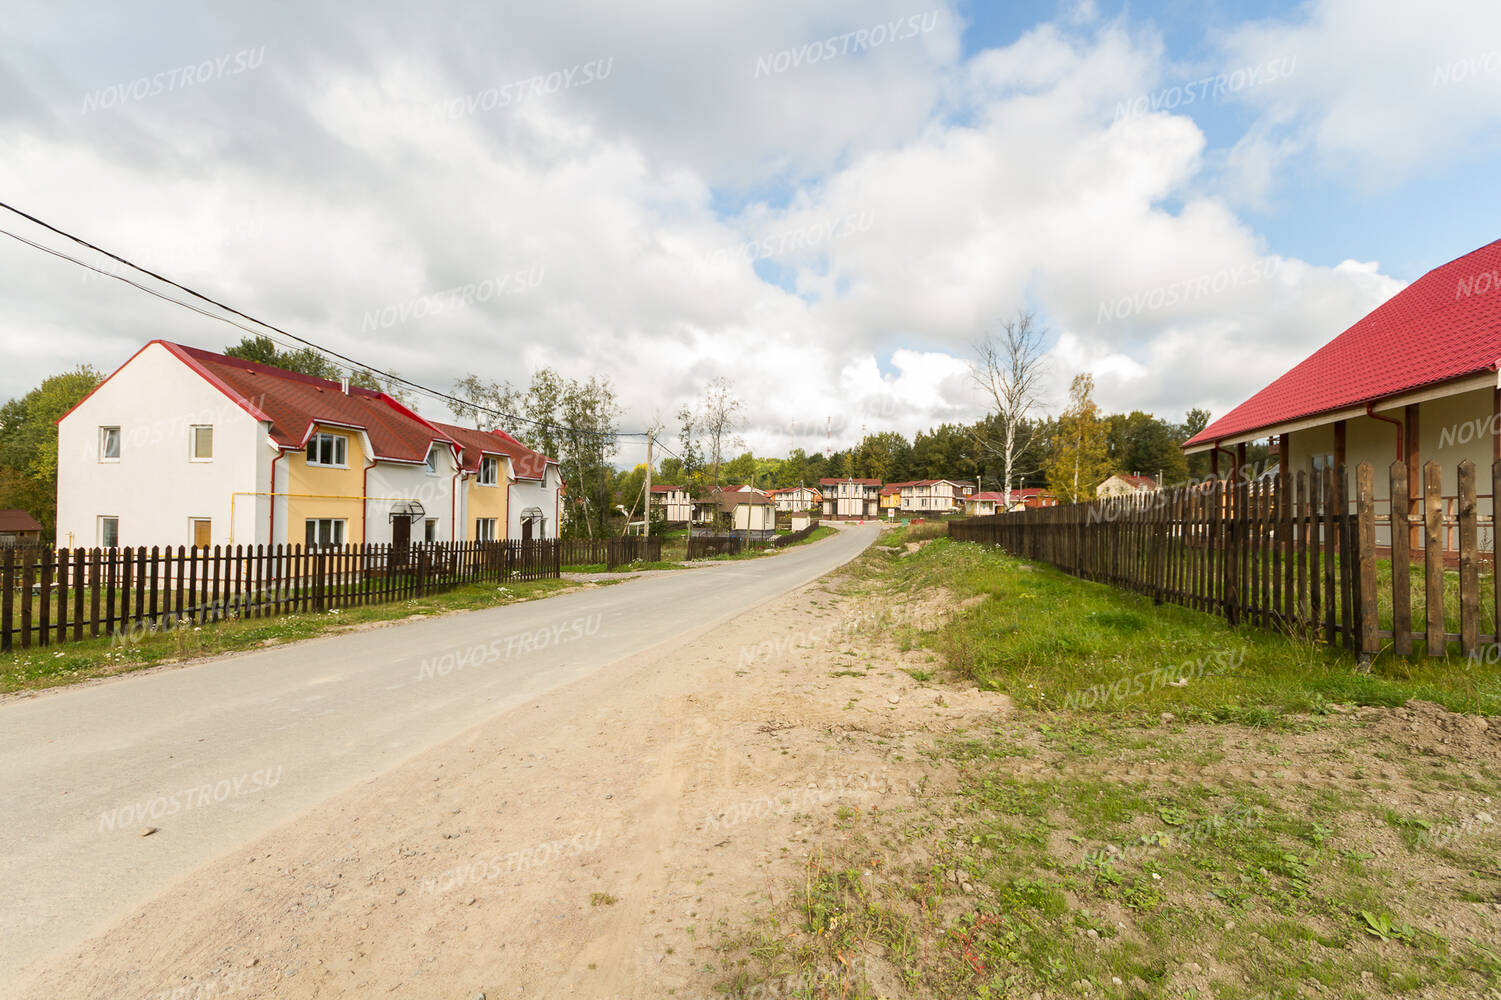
(1444, 326)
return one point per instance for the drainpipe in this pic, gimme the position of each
(1401, 452)
(453, 508)
(271, 525)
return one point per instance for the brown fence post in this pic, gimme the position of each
(7, 598)
(1365, 514)
(1433, 557)
(1469, 566)
(1401, 562)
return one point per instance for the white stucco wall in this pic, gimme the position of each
(391, 479)
(154, 488)
(527, 493)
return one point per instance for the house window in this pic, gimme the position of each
(325, 531)
(203, 532)
(201, 442)
(489, 471)
(109, 531)
(484, 529)
(109, 444)
(430, 530)
(432, 461)
(328, 449)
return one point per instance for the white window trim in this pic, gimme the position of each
(493, 524)
(343, 530)
(193, 430)
(327, 465)
(119, 442)
(99, 529)
(430, 463)
(479, 477)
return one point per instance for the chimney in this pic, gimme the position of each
(344, 385)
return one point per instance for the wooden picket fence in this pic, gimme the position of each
(705, 546)
(55, 596)
(1310, 554)
(614, 551)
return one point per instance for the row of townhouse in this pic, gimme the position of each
(848, 498)
(924, 497)
(980, 504)
(181, 446)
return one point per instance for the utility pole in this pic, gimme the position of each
(646, 528)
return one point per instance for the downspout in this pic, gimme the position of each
(1401, 452)
(271, 525)
(453, 507)
(365, 504)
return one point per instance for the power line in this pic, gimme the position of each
(354, 365)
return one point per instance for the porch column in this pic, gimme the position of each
(1414, 460)
(1240, 460)
(1284, 454)
(1339, 443)
(1214, 461)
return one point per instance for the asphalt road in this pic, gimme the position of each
(215, 754)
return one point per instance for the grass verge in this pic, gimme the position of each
(1175, 809)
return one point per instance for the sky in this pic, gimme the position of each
(826, 201)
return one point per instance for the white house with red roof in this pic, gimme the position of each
(181, 446)
(796, 499)
(1415, 380)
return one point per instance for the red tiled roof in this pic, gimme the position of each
(18, 520)
(475, 444)
(665, 488)
(836, 482)
(293, 403)
(1444, 326)
(999, 497)
(527, 464)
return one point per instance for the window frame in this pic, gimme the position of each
(315, 524)
(104, 430)
(485, 529)
(430, 529)
(431, 461)
(492, 463)
(193, 430)
(339, 445)
(99, 529)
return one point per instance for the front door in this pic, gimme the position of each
(401, 537)
(526, 529)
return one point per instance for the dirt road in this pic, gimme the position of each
(581, 758)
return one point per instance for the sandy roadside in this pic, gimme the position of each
(588, 844)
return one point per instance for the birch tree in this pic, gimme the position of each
(1010, 363)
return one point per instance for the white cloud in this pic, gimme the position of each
(908, 198)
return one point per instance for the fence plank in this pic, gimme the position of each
(1433, 557)
(28, 580)
(62, 595)
(44, 609)
(1469, 564)
(1401, 562)
(7, 597)
(1365, 513)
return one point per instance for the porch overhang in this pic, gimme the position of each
(1454, 387)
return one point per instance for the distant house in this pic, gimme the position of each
(1032, 496)
(675, 502)
(1122, 485)
(1414, 380)
(981, 504)
(934, 496)
(746, 509)
(19, 528)
(796, 499)
(850, 498)
(891, 499)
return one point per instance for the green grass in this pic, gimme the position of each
(1102, 850)
(71, 662)
(1048, 639)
